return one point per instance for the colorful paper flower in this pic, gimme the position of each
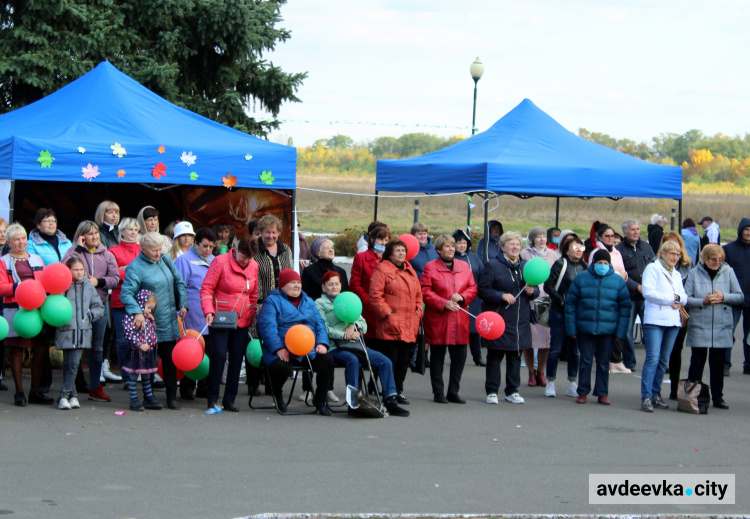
(188, 158)
(267, 178)
(81, 149)
(229, 181)
(120, 173)
(162, 149)
(248, 157)
(118, 150)
(159, 170)
(90, 172)
(45, 159)
(193, 175)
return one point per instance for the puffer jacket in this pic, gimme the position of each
(362, 268)
(692, 243)
(498, 277)
(229, 287)
(87, 308)
(660, 289)
(278, 315)
(426, 254)
(557, 297)
(124, 253)
(712, 326)
(597, 305)
(162, 279)
(335, 327)
(396, 298)
(439, 283)
(101, 264)
(738, 257)
(635, 257)
(193, 270)
(37, 245)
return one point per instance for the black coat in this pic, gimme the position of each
(312, 278)
(558, 296)
(498, 277)
(738, 257)
(635, 257)
(655, 234)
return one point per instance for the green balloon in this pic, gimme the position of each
(57, 310)
(28, 323)
(347, 307)
(200, 372)
(536, 272)
(4, 328)
(254, 353)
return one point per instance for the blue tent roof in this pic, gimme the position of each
(106, 127)
(527, 152)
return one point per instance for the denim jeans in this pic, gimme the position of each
(381, 365)
(659, 342)
(591, 347)
(624, 351)
(557, 340)
(95, 353)
(71, 360)
(121, 343)
(222, 342)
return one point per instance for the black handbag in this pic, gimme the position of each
(227, 320)
(419, 363)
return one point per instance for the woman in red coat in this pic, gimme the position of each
(396, 299)
(362, 269)
(447, 285)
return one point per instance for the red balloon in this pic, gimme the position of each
(160, 372)
(56, 278)
(300, 340)
(412, 245)
(490, 325)
(30, 294)
(187, 353)
(197, 335)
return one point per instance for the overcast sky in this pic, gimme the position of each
(630, 68)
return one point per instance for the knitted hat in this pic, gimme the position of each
(286, 276)
(315, 246)
(534, 233)
(330, 274)
(601, 254)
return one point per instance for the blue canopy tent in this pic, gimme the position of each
(527, 153)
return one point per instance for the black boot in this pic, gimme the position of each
(393, 409)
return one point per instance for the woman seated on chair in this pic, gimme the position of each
(283, 308)
(346, 337)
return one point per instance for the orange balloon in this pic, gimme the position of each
(300, 340)
(197, 335)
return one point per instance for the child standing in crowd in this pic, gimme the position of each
(142, 359)
(75, 336)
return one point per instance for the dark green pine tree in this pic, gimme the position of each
(203, 55)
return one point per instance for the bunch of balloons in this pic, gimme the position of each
(189, 355)
(37, 307)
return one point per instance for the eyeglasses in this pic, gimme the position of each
(207, 246)
(608, 235)
(53, 220)
(578, 247)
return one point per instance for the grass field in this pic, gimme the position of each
(333, 212)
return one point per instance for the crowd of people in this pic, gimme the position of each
(146, 288)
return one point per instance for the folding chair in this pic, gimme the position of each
(306, 367)
(359, 349)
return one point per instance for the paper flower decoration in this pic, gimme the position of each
(229, 181)
(248, 157)
(120, 173)
(193, 175)
(81, 149)
(90, 172)
(45, 159)
(118, 150)
(267, 178)
(162, 149)
(188, 158)
(159, 170)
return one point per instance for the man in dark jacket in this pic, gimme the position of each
(636, 254)
(738, 257)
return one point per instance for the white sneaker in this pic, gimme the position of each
(63, 403)
(515, 398)
(108, 374)
(305, 397)
(492, 398)
(102, 380)
(157, 378)
(74, 403)
(331, 397)
(550, 389)
(572, 390)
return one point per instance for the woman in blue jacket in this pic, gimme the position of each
(283, 308)
(597, 310)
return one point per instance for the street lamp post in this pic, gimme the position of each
(477, 69)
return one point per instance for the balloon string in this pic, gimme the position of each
(518, 294)
(474, 316)
(204, 329)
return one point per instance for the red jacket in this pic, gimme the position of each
(124, 253)
(396, 299)
(362, 269)
(231, 287)
(7, 283)
(443, 326)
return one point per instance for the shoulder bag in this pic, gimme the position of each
(227, 320)
(542, 304)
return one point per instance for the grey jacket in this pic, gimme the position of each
(711, 326)
(87, 308)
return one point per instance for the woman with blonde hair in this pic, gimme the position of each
(183, 239)
(107, 217)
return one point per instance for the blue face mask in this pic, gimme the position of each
(379, 248)
(601, 269)
(556, 240)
